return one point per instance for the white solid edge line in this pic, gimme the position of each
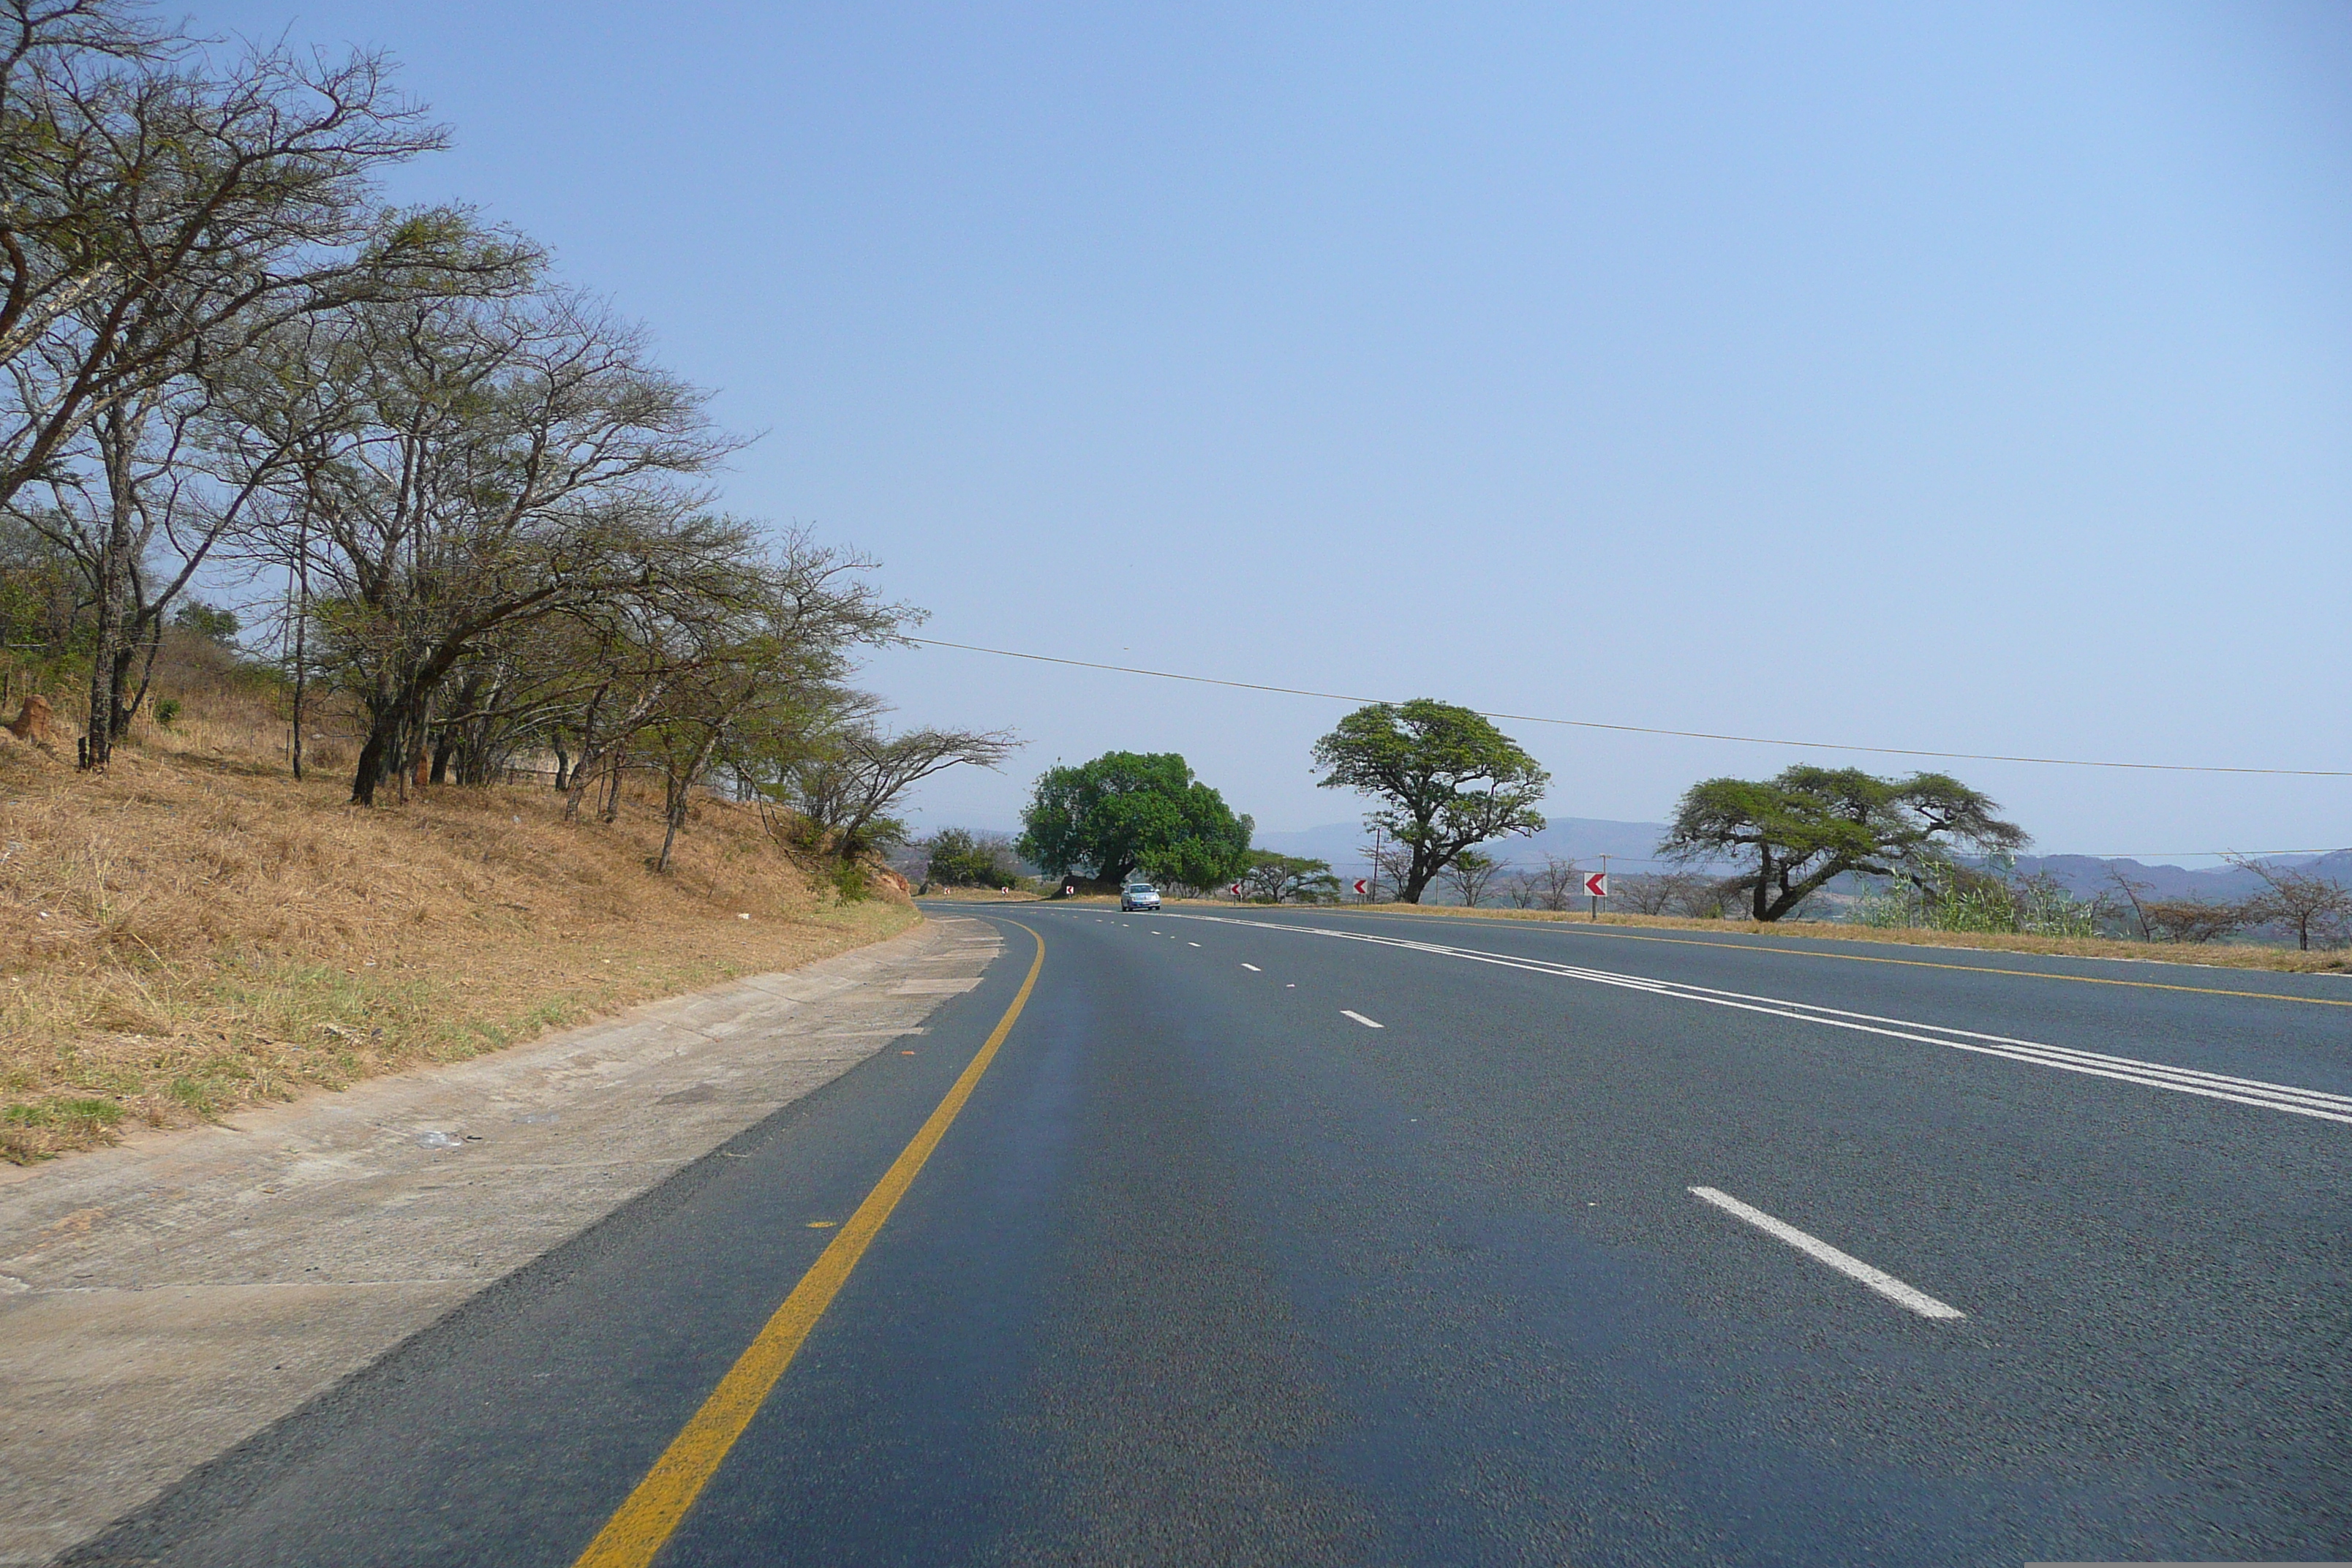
(2313, 1103)
(1368, 1023)
(1853, 1267)
(1254, 969)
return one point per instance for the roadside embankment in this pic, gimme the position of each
(194, 930)
(163, 1302)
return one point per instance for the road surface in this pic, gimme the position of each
(1316, 1237)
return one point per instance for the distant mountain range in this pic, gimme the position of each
(1631, 848)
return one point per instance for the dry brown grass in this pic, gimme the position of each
(2283, 960)
(195, 931)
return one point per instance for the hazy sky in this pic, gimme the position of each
(1976, 378)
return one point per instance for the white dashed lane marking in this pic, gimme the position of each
(1812, 1247)
(1368, 1023)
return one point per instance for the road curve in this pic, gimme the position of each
(1313, 1237)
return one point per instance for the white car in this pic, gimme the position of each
(1137, 896)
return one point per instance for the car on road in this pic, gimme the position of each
(1137, 896)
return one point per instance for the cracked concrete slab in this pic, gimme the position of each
(163, 1302)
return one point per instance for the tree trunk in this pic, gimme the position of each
(375, 759)
(669, 837)
(119, 707)
(301, 630)
(155, 641)
(113, 573)
(613, 791)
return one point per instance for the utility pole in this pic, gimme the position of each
(1375, 883)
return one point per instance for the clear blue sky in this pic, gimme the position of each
(1972, 377)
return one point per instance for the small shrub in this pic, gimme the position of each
(848, 880)
(1962, 899)
(167, 709)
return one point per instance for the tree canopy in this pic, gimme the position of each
(1127, 812)
(1451, 779)
(1791, 834)
(1276, 878)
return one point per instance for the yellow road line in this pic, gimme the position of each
(643, 1525)
(1574, 928)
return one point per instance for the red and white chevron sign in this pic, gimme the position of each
(1596, 884)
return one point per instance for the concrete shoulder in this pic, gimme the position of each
(161, 1302)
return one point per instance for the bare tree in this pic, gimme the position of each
(1557, 882)
(498, 464)
(167, 212)
(2195, 920)
(1392, 864)
(2305, 904)
(845, 787)
(1472, 876)
(1656, 893)
(2130, 892)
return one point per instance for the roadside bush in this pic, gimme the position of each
(1955, 898)
(961, 859)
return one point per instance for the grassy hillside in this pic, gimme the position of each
(195, 931)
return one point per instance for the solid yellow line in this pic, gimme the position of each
(642, 1525)
(1579, 929)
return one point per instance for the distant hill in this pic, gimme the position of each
(2085, 877)
(1632, 847)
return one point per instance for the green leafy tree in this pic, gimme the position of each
(206, 621)
(1127, 812)
(1793, 834)
(1451, 779)
(960, 858)
(1288, 878)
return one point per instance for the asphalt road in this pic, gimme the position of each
(1212, 1269)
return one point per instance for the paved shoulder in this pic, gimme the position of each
(165, 1301)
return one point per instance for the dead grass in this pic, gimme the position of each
(2282, 960)
(194, 930)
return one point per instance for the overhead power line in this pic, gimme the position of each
(1649, 729)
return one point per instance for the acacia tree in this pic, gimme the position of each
(2304, 903)
(144, 496)
(1451, 779)
(163, 214)
(846, 785)
(500, 463)
(1793, 832)
(166, 211)
(1277, 878)
(1125, 812)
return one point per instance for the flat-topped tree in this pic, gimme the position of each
(1793, 834)
(1451, 779)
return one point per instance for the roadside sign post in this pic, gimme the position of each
(1596, 887)
(1362, 890)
